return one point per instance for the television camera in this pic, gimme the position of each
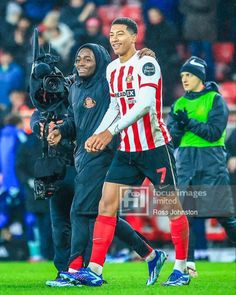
(49, 92)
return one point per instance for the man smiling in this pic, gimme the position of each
(89, 100)
(135, 112)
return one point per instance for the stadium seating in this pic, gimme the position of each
(228, 90)
(223, 52)
(108, 13)
(223, 55)
(134, 12)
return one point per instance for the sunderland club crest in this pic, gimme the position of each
(89, 102)
(129, 78)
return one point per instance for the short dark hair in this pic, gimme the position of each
(132, 26)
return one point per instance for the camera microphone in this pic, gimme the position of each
(41, 70)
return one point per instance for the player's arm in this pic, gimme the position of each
(111, 116)
(149, 75)
(99, 141)
(146, 99)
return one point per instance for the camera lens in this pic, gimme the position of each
(53, 84)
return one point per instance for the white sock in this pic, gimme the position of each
(95, 268)
(191, 265)
(72, 270)
(150, 256)
(180, 265)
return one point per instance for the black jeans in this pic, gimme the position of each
(60, 206)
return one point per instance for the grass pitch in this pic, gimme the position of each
(123, 279)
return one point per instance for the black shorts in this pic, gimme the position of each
(131, 168)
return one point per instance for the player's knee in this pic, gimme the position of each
(107, 208)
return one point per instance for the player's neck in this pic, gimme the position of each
(127, 55)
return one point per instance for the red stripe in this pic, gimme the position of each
(137, 141)
(123, 106)
(148, 131)
(149, 84)
(120, 79)
(139, 80)
(112, 80)
(159, 112)
(126, 138)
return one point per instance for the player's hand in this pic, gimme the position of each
(89, 142)
(98, 142)
(232, 164)
(51, 126)
(54, 137)
(146, 52)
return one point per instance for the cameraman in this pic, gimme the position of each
(61, 201)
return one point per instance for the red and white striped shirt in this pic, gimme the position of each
(136, 96)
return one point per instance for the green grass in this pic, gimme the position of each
(124, 279)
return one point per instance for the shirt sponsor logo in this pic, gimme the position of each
(89, 102)
(149, 69)
(128, 93)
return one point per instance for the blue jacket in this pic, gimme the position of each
(11, 138)
(10, 79)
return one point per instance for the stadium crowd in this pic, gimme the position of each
(173, 29)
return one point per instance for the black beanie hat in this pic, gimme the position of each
(195, 66)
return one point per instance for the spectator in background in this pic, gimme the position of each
(58, 34)
(161, 37)
(200, 29)
(75, 14)
(19, 40)
(18, 106)
(168, 7)
(93, 33)
(17, 101)
(26, 157)
(11, 75)
(226, 20)
(9, 20)
(36, 10)
(12, 136)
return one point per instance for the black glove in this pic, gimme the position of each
(181, 117)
